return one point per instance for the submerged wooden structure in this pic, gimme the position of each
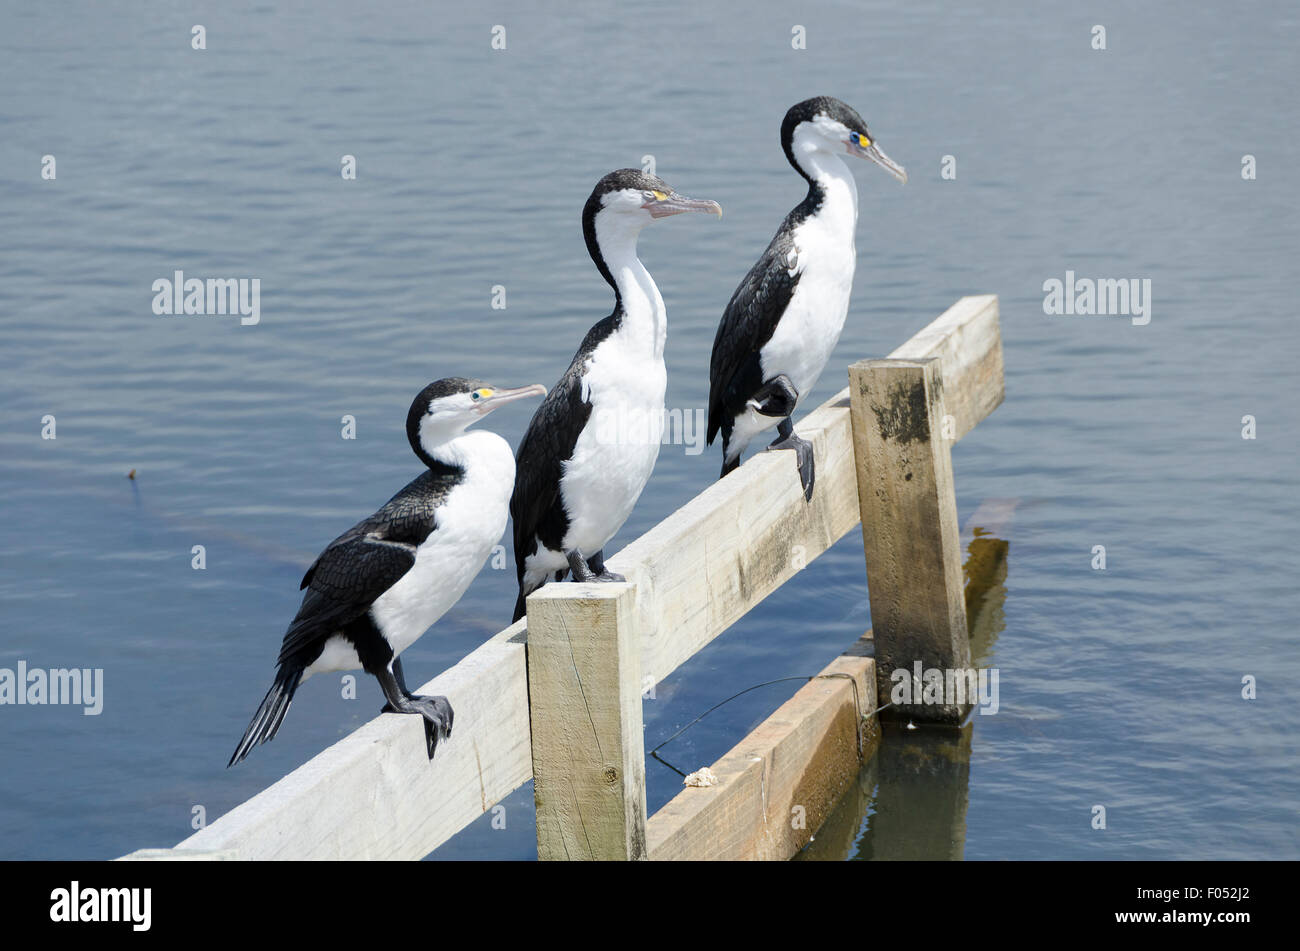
(556, 697)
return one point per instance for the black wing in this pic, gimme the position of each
(364, 562)
(748, 323)
(535, 505)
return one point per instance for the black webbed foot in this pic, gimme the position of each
(436, 711)
(803, 455)
(438, 717)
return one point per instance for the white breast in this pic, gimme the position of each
(617, 449)
(471, 521)
(812, 323)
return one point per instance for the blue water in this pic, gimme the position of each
(1118, 687)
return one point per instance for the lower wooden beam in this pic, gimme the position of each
(778, 784)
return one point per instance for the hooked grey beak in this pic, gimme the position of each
(675, 204)
(873, 153)
(500, 397)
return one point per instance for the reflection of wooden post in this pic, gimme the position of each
(584, 691)
(988, 529)
(909, 527)
(839, 834)
(922, 790)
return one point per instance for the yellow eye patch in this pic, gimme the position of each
(483, 393)
(864, 141)
(659, 196)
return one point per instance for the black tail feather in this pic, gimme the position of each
(270, 714)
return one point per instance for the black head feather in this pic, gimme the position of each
(808, 110)
(420, 405)
(615, 181)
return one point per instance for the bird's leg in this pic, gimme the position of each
(400, 677)
(776, 397)
(597, 565)
(436, 711)
(803, 454)
(578, 565)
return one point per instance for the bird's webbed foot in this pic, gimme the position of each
(436, 711)
(803, 455)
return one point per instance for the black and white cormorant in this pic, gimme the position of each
(380, 585)
(785, 318)
(594, 440)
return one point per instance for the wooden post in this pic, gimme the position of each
(901, 438)
(584, 689)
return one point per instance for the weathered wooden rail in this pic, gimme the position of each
(556, 697)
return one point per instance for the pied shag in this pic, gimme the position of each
(593, 442)
(380, 585)
(785, 318)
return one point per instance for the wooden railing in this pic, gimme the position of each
(556, 697)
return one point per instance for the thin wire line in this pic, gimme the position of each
(857, 705)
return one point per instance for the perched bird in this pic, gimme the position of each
(785, 318)
(594, 440)
(380, 585)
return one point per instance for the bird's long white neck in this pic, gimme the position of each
(839, 207)
(479, 453)
(450, 443)
(645, 321)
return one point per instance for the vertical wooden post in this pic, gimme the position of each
(584, 689)
(909, 530)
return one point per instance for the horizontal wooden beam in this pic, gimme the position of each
(178, 855)
(967, 340)
(701, 569)
(778, 784)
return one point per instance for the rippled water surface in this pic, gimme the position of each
(1119, 687)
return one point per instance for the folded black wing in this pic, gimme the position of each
(748, 323)
(535, 505)
(365, 561)
(345, 580)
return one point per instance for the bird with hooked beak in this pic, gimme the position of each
(381, 584)
(593, 442)
(786, 316)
